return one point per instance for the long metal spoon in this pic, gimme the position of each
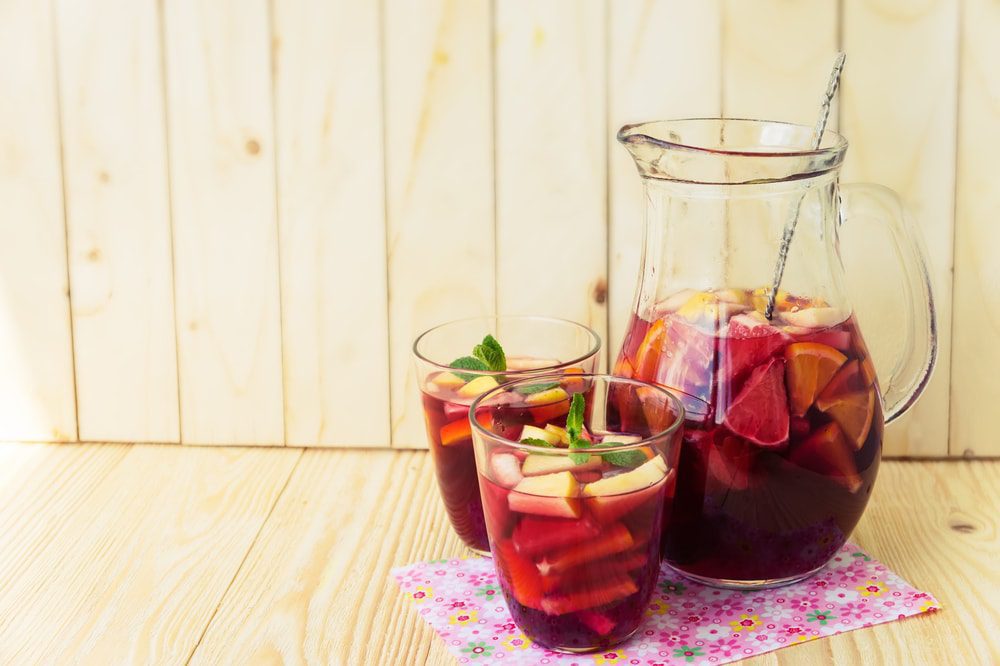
(793, 218)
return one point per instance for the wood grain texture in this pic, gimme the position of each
(898, 109)
(312, 594)
(118, 220)
(137, 566)
(551, 154)
(975, 372)
(663, 62)
(36, 358)
(335, 558)
(120, 555)
(439, 180)
(328, 106)
(225, 233)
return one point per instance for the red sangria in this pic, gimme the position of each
(574, 504)
(778, 462)
(456, 364)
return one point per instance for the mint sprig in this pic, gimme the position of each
(535, 441)
(574, 428)
(491, 353)
(631, 458)
(535, 388)
(487, 356)
(468, 363)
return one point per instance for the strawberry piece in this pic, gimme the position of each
(601, 595)
(615, 539)
(827, 452)
(588, 476)
(598, 623)
(760, 411)
(536, 534)
(523, 579)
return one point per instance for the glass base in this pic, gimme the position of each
(585, 650)
(731, 584)
(481, 553)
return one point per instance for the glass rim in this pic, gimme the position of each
(634, 132)
(595, 346)
(530, 448)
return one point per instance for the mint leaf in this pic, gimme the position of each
(631, 458)
(534, 441)
(579, 458)
(574, 419)
(536, 388)
(468, 363)
(491, 353)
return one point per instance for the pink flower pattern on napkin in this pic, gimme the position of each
(686, 623)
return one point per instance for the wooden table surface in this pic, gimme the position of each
(169, 555)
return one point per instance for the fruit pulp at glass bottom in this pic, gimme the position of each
(782, 443)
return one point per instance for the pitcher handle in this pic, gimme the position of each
(912, 371)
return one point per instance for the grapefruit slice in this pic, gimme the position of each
(849, 401)
(759, 413)
(751, 340)
(825, 452)
(809, 367)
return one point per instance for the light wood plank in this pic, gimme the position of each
(975, 369)
(139, 569)
(551, 190)
(225, 233)
(328, 107)
(310, 594)
(331, 600)
(898, 109)
(36, 359)
(777, 56)
(439, 180)
(664, 62)
(118, 220)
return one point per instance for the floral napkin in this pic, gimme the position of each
(686, 623)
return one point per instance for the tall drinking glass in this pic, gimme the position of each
(531, 346)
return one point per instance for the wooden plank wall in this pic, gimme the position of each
(225, 222)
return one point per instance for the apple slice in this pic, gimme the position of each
(607, 509)
(614, 539)
(535, 534)
(447, 380)
(554, 394)
(602, 595)
(537, 464)
(702, 306)
(506, 469)
(547, 495)
(814, 317)
(533, 432)
(560, 434)
(478, 386)
(643, 476)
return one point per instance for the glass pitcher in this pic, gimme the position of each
(785, 415)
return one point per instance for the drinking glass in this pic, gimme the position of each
(532, 345)
(574, 497)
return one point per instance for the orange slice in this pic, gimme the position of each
(810, 367)
(648, 356)
(853, 412)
